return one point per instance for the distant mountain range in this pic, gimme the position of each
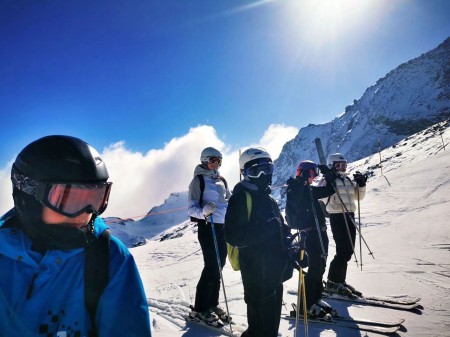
(407, 100)
(170, 220)
(413, 99)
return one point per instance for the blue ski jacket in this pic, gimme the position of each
(43, 295)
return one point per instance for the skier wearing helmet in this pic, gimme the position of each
(341, 208)
(208, 195)
(261, 236)
(60, 188)
(303, 212)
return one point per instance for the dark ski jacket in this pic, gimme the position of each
(299, 209)
(262, 241)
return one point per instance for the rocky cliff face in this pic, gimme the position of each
(408, 99)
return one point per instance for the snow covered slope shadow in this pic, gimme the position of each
(405, 223)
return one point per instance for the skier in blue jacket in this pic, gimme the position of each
(60, 188)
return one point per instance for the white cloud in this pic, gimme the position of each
(6, 200)
(143, 180)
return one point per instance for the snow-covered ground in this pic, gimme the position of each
(404, 217)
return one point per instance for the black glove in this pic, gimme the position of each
(294, 254)
(360, 178)
(324, 169)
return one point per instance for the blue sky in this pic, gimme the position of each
(144, 73)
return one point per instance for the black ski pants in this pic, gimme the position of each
(208, 287)
(263, 310)
(316, 266)
(344, 245)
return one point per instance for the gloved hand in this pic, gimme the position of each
(294, 255)
(209, 209)
(360, 178)
(330, 175)
(324, 169)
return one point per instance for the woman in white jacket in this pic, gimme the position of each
(341, 208)
(208, 195)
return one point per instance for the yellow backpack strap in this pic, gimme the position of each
(249, 204)
(233, 252)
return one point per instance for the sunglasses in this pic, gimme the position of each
(215, 160)
(70, 200)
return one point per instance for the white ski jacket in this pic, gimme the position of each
(347, 190)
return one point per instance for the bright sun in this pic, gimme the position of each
(329, 19)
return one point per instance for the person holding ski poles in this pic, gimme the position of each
(341, 207)
(303, 212)
(62, 274)
(209, 194)
(262, 239)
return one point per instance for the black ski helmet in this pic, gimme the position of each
(61, 159)
(57, 159)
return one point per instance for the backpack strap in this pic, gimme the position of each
(201, 179)
(249, 204)
(202, 188)
(224, 182)
(96, 270)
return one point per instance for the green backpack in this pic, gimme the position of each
(233, 252)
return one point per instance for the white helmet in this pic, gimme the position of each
(251, 154)
(208, 153)
(336, 157)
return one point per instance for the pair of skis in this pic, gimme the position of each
(377, 326)
(399, 302)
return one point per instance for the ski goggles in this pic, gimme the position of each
(67, 199)
(215, 160)
(340, 165)
(255, 171)
(312, 172)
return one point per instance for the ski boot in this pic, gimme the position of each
(317, 312)
(221, 313)
(339, 289)
(352, 289)
(327, 308)
(208, 316)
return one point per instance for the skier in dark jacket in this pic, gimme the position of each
(262, 242)
(303, 212)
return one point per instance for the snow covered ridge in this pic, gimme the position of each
(170, 220)
(135, 233)
(408, 99)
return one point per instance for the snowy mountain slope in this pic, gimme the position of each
(135, 233)
(404, 221)
(408, 99)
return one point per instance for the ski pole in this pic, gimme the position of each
(219, 265)
(316, 219)
(353, 221)
(352, 243)
(359, 225)
(305, 310)
(301, 292)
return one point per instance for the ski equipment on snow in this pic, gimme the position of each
(374, 301)
(216, 246)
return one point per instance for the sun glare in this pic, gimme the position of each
(328, 19)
